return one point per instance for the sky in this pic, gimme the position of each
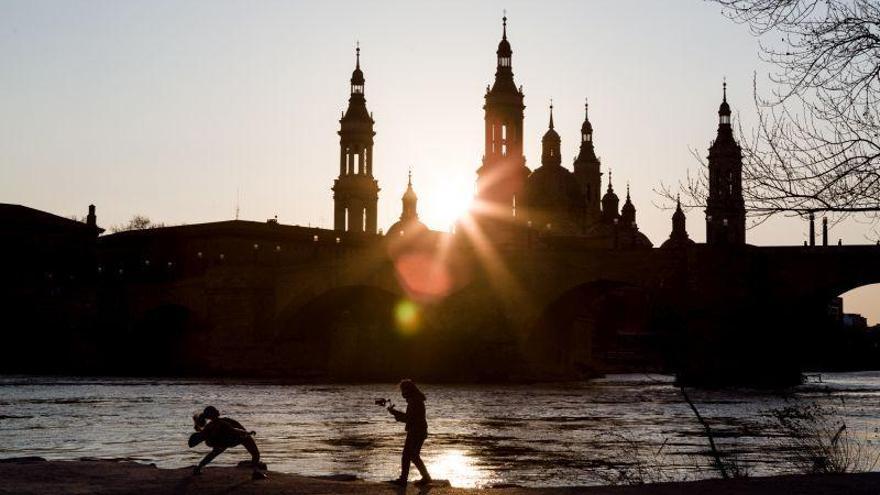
(188, 111)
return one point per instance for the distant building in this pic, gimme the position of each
(49, 296)
(855, 321)
(37, 245)
(835, 310)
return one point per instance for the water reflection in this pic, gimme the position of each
(480, 436)
(459, 468)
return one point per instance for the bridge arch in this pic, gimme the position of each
(592, 328)
(864, 300)
(837, 335)
(351, 332)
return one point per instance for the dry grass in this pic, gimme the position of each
(820, 441)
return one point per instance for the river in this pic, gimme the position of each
(536, 435)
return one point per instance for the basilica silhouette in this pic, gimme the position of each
(548, 278)
(551, 200)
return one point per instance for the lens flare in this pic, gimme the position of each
(407, 314)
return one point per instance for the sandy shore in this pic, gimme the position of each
(36, 476)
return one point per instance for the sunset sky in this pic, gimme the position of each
(182, 110)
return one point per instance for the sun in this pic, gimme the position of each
(442, 204)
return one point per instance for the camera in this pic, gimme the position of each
(384, 402)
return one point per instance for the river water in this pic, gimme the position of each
(540, 435)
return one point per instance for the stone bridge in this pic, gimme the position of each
(252, 298)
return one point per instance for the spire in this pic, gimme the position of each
(409, 200)
(628, 212)
(409, 196)
(357, 76)
(504, 51)
(551, 144)
(586, 110)
(504, 26)
(610, 187)
(678, 219)
(724, 109)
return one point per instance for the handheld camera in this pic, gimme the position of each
(384, 403)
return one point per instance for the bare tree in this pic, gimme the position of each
(137, 222)
(816, 144)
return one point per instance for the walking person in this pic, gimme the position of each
(416, 432)
(221, 434)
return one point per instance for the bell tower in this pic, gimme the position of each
(725, 208)
(503, 173)
(587, 171)
(355, 191)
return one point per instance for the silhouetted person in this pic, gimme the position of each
(221, 434)
(416, 432)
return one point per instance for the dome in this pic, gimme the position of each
(610, 196)
(587, 127)
(609, 204)
(504, 49)
(551, 136)
(552, 196)
(404, 228)
(678, 216)
(357, 76)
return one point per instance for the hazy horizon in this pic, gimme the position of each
(184, 112)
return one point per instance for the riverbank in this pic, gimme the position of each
(27, 476)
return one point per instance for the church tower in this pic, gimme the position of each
(410, 201)
(678, 238)
(409, 222)
(586, 170)
(628, 212)
(610, 201)
(725, 208)
(501, 177)
(355, 191)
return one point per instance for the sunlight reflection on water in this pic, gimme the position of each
(459, 468)
(479, 435)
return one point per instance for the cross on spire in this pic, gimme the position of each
(724, 89)
(551, 113)
(504, 25)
